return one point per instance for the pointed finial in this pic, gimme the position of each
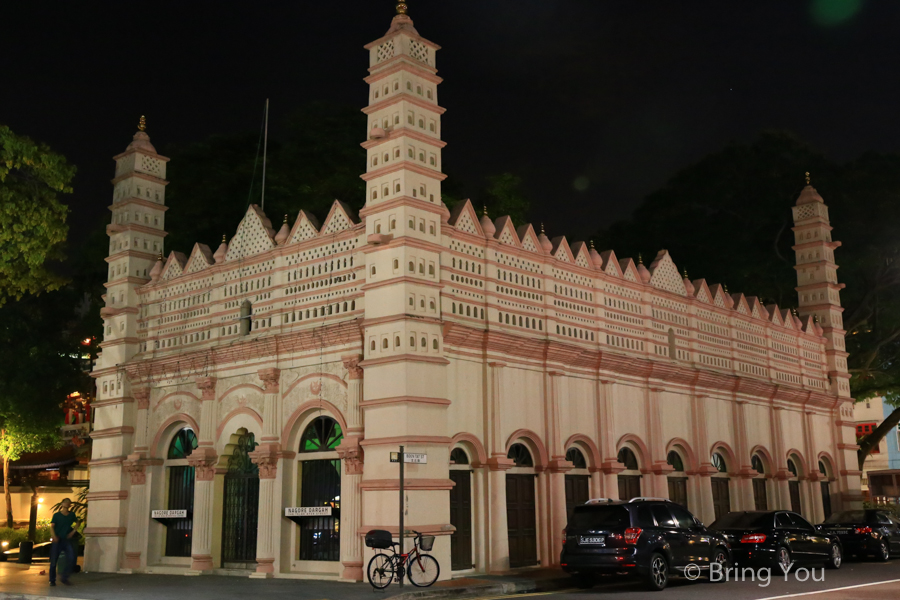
(725, 287)
(484, 211)
(592, 245)
(542, 229)
(685, 274)
(224, 239)
(807, 178)
(160, 257)
(285, 218)
(401, 7)
(142, 124)
(640, 259)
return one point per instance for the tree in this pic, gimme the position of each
(32, 219)
(728, 220)
(39, 366)
(504, 194)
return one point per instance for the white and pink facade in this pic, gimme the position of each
(550, 371)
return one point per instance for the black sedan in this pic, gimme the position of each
(865, 532)
(777, 539)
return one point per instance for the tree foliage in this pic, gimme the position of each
(32, 219)
(728, 219)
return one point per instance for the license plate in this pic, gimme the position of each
(596, 540)
(840, 531)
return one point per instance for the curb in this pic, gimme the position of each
(487, 589)
(14, 596)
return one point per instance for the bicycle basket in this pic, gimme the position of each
(426, 542)
(379, 538)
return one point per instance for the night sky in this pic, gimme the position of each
(595, 103)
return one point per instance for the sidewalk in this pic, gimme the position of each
(24, 582)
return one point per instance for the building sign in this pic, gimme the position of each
(410, 457)
(308, 511)
(169, 514)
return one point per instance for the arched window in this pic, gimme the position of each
(792, 467)
(246, 316)
(322, 435)
(520, 455)
(822, 469)
(574, 456)
(718, 462)
(184, 442)
(458, 456)
(627, 458)
(757, 464)
(674, 459)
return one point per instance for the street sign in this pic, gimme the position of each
(410, 458)
(168, 514)
(308, 511)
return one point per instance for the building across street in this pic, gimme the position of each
(254, 394)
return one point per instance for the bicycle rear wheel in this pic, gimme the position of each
(380, 571)
(423, 570)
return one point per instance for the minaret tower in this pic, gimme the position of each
(817, 284)
(135, 240)
(404, 369)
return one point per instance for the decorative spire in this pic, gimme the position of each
(285, 219)
(222, 251)
(807, 178)
(542, 229)
(401, 7)
(685, 274)
(592, 245)
(224, 238)
(160, 256)
(284, 233)
(484, 212)
(640, 259)
(142, 125)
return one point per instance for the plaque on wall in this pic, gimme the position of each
(168, 514)
(308, 511)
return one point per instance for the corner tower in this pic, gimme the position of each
(135, 241)
(817, 285)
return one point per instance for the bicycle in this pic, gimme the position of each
(421, 569)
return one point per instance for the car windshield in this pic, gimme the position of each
(599, 517)
(847, 516)
(743, 520)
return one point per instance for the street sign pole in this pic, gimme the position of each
(401, 506)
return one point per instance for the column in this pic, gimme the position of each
(596, 482)
(817, 512)
(744, 470)
(136, 534)
(267, 455)
(609, 466)
(707, 510)
(557, 468)
(498, 464)
(204, 460)
(658, 466)
(351, 454)
(783, 491)
(479, 480)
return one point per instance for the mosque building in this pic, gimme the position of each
(249, 398)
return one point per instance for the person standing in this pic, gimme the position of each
(62, 529)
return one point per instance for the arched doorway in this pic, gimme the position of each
(793, 466)
(180, 492)
(677, 479)
(719, 482)
(760, 497)
(461, 510)
(521, 508)
(578, 480)
(825, 471)
(240, 505)
(319, 474)
(630, 478)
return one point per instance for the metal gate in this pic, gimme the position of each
(241, 504)
(461, 519)
(721, 496)
(520, 517)
(181, 497)
(320, 485)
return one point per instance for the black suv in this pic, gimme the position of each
(649, 537)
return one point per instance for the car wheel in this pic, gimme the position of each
(884, 552)
(783, 559)
(835, 557)
(720, 557)
(658, 574)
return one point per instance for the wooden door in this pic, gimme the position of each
(629, 486)
(678, 490)
(794, 488)
(577, 492)
(721, 497)
(521, 521)
(760, 498)
(461, 518)
(826, 498)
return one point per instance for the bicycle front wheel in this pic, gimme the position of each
(380, 571)
(423, 570)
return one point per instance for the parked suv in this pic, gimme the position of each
(652, 538)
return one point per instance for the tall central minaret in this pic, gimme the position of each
(405, 372)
